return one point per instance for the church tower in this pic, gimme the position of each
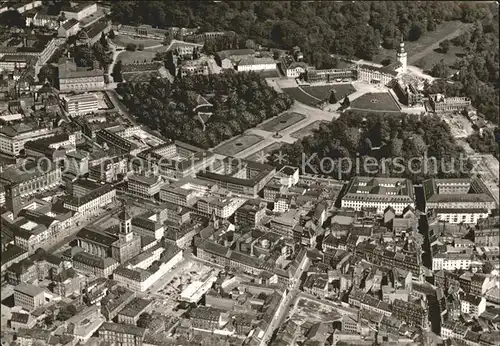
(125, 225)
(402, 56)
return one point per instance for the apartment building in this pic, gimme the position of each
(13, 137)
(451, 261)
(414, 313)
(80, 104)
(473, 305)
(379, 193)
(132, 311)
(121, 334)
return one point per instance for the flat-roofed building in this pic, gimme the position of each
(185, 192)
(14, 62)
(221, 207)
(177, 160)
(13, 137)
(239, 176)
(79, 10)
(29, 297)
(80, 104)
(144, 186)
(379, 193)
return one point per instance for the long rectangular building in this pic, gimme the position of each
(379, 193)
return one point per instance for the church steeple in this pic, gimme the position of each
(402, 55)
(125, 222)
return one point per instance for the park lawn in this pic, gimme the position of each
(282, 122)
(123, 40)
(308, 130)
(300, 96)
(453, 54)
(237, 144)
(127, 57)
(267, 150)
(322, 92)
(375, 102)
(426, 40)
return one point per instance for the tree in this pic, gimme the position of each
(140, 47)
(440, 70)
(131, 47)
(49, 319)
(104, 41)
(415, 32)
(444, 46)
(144, 320)
(333, 97)
(117, 72)
(66, 312)
(111, 34)
(346, 102)
(488, 267)
(48, 73)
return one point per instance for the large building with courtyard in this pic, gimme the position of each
(378, 193)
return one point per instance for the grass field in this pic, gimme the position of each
(269, 149)
(300, 96)
(425, 41)
(322, 92)
(123, 40)
(238, 144)
(127, 57)
(427, 62)
(375, 102)
(140, 76)
(308, 130)
(282, 122)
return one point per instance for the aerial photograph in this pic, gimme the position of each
(249, 173)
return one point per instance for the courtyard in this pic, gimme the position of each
(381, 102)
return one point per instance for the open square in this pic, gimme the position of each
(282, 121)
(308, 130)
(235, 145)
(123, 40)
(376, 102)
(323, 92)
